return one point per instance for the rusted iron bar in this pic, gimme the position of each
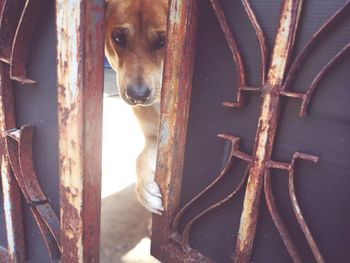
(18, 23)
(234, 149)
(176, 93)
(23, 38)
(267, 124)
(295, 66)
(183, 239)
(11, 191)
(271, 205)
(261, 38)
(19, 153)
(10, 16)
(297, 211)
(80, 93)
(232, 43)
(259, 164)
(307, 96)
(2, 3)
(4, 255)
(236, 55)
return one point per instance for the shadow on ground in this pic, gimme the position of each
(124, 222)
(125, 229)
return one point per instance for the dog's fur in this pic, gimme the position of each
(134, 46)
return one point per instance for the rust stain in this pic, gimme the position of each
(178, 70)
(11, 192)
(80, 89)
(169, 244)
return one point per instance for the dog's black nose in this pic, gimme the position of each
(138, 93)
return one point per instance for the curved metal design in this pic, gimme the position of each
(275, 215)
(18, 23)
(10, 190)
(275, 82)
(183, 239)
(23, 38)
(19, 151)
(261, 38)
(328, 25)
(10, 16)
(232, 43)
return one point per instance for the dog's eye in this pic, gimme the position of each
(119, 38)
(160, 43)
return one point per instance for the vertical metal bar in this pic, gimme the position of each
(11, 191)
(176, 92)
(267, 126)
(80, 89)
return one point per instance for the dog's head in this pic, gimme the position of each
(135, 32)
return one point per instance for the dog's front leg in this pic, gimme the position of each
(147, 189)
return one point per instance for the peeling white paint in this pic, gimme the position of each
(68, 24)
(69, 44)
(7, 207)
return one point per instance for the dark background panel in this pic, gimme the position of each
(322, 188)
(37, 105)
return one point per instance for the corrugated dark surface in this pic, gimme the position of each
(322, 188)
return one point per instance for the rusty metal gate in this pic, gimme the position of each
(50, 123)
(282, 196)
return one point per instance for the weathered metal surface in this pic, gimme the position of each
(236, 55)
(26, 28)
(267, 125)
(296, 64)
(10, 17)
(80, 88)
(4, 255)
(10, 189)
(17, 25)
(183, 239)
(19, 21)
(19, 153)
(274, 85)
(176, 92)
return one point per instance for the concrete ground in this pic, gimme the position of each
(124, 222)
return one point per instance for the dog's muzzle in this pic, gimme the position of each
(138, 94)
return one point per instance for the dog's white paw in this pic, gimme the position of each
(149, 194)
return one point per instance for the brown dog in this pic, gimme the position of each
(134, 45)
